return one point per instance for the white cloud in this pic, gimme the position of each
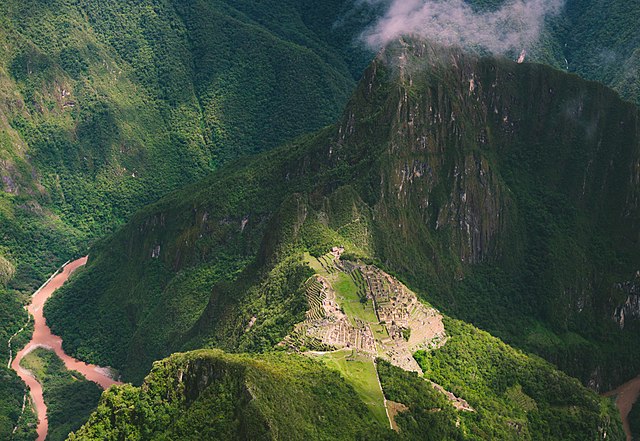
(512, 27)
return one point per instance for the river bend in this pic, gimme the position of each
(42, 337)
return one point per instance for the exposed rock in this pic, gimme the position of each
(630, 309)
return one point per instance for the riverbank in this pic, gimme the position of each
(42, 337)
(626, 395)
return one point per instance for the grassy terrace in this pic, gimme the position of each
(348, 298)
(347, 293)
(315, 264)
(360, 371)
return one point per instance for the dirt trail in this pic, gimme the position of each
(626, 395)
(42, 337)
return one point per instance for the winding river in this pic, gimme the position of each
(626, 395)
(42, 337)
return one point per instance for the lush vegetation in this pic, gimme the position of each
(428, 414)
(212, 395)
(602, 43)
(69, 397)
(530, 242)
(109, 105)
(12, 391)
(536, 401)
(597, 40)
(106, 106)
(360, 372)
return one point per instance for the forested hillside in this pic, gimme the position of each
(106, 106)
(208, 394)
(602, 43)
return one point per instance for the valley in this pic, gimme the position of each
(43, 338)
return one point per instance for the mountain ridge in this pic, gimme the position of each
(311, 188)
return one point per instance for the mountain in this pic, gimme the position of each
(504, 194)
(212, 395)
(208, 394)
(516, 214)
(513, 223)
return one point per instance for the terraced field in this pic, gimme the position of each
(358, 313)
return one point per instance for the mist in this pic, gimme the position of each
(515, 26)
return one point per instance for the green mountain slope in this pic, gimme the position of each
(603, 43)
(107, 106)
(208, 394)
(518, 214)
(212, 395)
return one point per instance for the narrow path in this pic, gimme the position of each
(24, 404)
(626, 395)
(14, 336)
(42, 337)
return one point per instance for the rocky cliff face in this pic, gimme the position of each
(469, 148)
(630, 309)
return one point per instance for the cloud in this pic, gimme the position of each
(514, 26)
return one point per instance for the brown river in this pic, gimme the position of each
(42, 337)
(626, 395)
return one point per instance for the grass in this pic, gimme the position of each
(348, 298)
(360, 371)
(379, 331)
(314, 263)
